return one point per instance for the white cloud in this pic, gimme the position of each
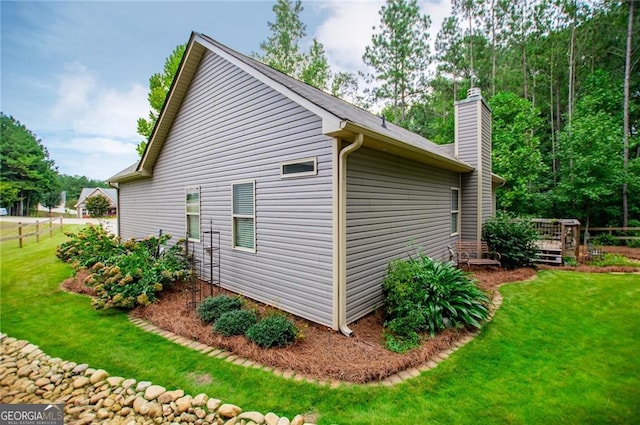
(93, 127)
(348, 28)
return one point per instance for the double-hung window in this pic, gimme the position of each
(244, 216)
(192, 211)
(455, 211)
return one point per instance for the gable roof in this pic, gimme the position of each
(339, 118)
(108, 192)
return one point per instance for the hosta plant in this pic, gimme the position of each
(427, 296)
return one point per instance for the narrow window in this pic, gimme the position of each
(455, 211)
(192, 211)
(244, 217)
(299, 168)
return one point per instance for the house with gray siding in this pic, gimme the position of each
(312, 196)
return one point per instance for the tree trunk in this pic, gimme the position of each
(627, 129)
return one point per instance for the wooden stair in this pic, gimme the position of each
(549, 256)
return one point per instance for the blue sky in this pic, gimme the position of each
(76, 72)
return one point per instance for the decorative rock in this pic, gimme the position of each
(183, 403)
(98, 376)
(27, 375)
(229, 411)
(169, 396)
(283, 421)
(199, 412)
(102, 414)
(114, 381)
(271, 419)
(137, 404)
(200, 400)
(153, 391)
(213, 404)
(42, 382)
(256, 417)
(298, 420)
(142, 385)
(155, 409)
(80, 382)
(128, 383)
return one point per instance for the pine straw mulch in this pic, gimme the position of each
(321, 353)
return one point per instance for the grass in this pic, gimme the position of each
(562, 348)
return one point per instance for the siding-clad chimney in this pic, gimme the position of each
(473, 146)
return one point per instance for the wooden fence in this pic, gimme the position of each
(22, 231)
(619, 233)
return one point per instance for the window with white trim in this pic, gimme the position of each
(299, 168)
(244, 216)
(192, 212)
(455, 211)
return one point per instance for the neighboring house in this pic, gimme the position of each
(110, 193)
(312, 196)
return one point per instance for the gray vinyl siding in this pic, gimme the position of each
(394, 207)
(487, 188)
(468, 152)
(232, 127)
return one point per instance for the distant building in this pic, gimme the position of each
(109, 193)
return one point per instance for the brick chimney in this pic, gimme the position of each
(473, 146)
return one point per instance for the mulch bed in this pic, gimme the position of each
(321, 353)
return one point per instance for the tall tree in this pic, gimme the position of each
(315, 70)
(159, 85)
(26, 171)
(516, 153)
(282, 48)
(627, 127)
(399, 55)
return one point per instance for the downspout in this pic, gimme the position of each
(342, 233)
(116, 186)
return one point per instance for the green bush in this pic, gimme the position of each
(423, 295)
(604, 239)
(211, 308)
(273, 331)
(514, 238)
(235, 322)
(91, 245)
(128, 274)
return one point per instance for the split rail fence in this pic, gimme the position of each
(22, 231)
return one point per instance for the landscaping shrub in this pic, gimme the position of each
(211, 308)
(514, 238)
(604, 239)
(273, 331)
(91, 245)
(235, 322)
(423, 295)
(128, 274)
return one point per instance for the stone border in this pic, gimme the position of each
(29, 376)
(391, 380)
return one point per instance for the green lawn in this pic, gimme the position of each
(562, 349)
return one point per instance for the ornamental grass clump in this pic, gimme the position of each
(211, 308)
(128, 274)
(423, 295)
(235, 322)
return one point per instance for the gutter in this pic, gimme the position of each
(342, 233)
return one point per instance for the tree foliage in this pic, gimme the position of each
(27, 173)
(159, 85)
(97, 206)
(399, 55)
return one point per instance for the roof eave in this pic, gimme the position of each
(384, 143)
